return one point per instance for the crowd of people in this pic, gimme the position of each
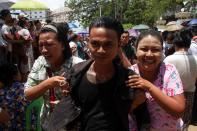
(105, 82)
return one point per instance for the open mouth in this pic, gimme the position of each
(100, 56)
(149, 62)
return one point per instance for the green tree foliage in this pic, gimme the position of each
(87, 10)
(127, 11)
(135, 12)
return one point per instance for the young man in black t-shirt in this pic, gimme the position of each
(99, 89)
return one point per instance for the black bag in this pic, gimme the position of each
(64, 113)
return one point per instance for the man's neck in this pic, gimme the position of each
(177, 49)
(100, 73)
(103, 68)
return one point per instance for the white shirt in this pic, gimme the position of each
(5, 30)
(29, 51)
(24, 33)
(186, 65)
(193, 48)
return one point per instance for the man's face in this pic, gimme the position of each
(169, 41)
(103, 44)
(38, 26)
(124, 39)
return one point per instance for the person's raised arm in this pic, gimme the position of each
(36, 91)
(174, 105)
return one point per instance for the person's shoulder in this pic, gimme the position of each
(169, 58)
(4, 28)
(133, 67)
(165, 63)
(81, 66)
(167, 70)
(40, 61)
(81, 63)
(23, 30)
(77, 60)
(41, 58)
(176, 56)
(167, 66)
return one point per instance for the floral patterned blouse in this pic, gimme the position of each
(169, 82)
(12, 98)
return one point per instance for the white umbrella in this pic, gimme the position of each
(5, 4)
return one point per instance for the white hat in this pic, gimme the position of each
(72, 44)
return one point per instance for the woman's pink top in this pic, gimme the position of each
(169, 82)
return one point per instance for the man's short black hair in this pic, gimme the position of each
(182, 38)
(109, 23)
(4, 13)
(126, 32)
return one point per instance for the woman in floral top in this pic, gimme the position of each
(48, 75)
(161, 82)
(12, 98)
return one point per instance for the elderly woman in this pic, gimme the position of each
(161, 82)
(48, 75)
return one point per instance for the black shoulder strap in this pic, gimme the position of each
(49, 72)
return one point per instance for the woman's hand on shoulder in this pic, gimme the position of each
(135, 81)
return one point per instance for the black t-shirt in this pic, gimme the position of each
(98, 108)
